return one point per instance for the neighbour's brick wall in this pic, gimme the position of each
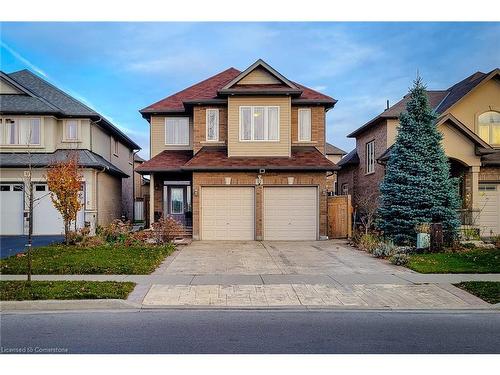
(317, 127)
(346, 176)
(200, 127)
(269, 178)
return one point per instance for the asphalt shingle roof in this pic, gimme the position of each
(86, 159)
(351, 158)
(333, 150)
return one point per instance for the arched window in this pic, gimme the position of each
(489, 127)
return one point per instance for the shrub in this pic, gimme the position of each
(399, 259)
(116, 231)
(369, 242)
(77, 236)
(166, 230)
(384, 249)
(404, 250)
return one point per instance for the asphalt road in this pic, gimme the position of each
(11, 245)
(216, 331)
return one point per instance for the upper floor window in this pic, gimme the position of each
(304, 124)
(259, 123)
(212, 124)
(71, 130)
(20, 131)
(370, 157)
(177, 131)
(489, 127)
(116, 146)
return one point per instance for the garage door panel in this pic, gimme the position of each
(489, 206)
(11, 205)
(290, 213)
(227, 213)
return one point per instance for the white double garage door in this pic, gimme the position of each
(46, 219)
(288, 213)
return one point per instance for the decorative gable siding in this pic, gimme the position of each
(317, 127)
(258, 148)
(259, 76)
(158, 136)
(6, 88)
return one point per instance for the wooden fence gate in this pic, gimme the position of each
(339, 216)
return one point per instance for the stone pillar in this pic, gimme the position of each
(475, 187)
(151, 199)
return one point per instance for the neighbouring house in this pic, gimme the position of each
(241, 156)
(334, 154)
(141, 191)
(41, 124)
(469, 119)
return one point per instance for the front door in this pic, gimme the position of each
(177, 203)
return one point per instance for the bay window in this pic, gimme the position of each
(177, 131)
(212, 124)
(259, 123)
(304, 115)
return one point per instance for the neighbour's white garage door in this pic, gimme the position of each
(12, 210)
(489, 206)
(290, 213)
(227, 213)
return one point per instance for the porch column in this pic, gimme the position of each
(151, 199)
(475, 187)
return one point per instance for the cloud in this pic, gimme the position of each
(22, 59)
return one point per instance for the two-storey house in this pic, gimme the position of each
(469, 119)
(241, 156)
(40, 124)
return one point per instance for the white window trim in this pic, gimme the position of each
(369, 153)
(65, 132)
(216, 129)
(490, 128)
(252, 107)
(299, 124)
(188, 135)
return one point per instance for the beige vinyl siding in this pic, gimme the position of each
(259, 77)
(6, 88)
(258, 148)
(101, 142)
(109, 196)
(158, 136)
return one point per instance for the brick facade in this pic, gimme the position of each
(317, 126)
(248, 179)
(489, 174)
(200, 127)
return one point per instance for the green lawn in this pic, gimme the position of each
(488, 291)
(473, 261)
(39, 290)
(105, 259)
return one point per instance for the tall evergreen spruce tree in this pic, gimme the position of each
(417, 187)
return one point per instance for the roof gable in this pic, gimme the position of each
(260, 73)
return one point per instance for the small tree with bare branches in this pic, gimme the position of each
(64, 181)
(367, 208)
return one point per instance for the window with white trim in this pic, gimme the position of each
(370, 157)
(177, 131)
(71, 130)
(304, 115)
(259, 123)
(20, 131)
(212, 124)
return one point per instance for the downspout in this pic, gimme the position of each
(133, 184)
(97, 195)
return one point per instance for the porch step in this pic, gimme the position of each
(186, 232)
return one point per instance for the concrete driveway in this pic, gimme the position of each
(276, 258)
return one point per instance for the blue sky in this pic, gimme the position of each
(118, 68)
